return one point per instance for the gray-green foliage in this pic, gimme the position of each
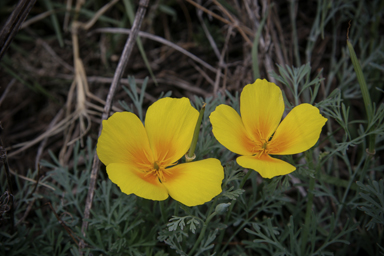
(252, 216)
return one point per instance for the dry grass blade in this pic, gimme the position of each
(7, 90)
(221, 63)
(242, 29)
(54, 130)
(158, 39)
(54, 55)
(42, 144)
(97, 15)
(69, 231)
(234, 21)
(107, 80)
(116, 79)
(36, 19)
(208, 34)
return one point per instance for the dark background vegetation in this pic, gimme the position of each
(249, 40)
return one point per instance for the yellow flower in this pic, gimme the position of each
(142, 160)
(257, 134)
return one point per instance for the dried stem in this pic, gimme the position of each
(115, 82)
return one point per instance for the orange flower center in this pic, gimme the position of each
(260, 148)
(158, 170)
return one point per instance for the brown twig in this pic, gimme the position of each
(209, 80)
(69, 231)
(29, 208)
(208, 34)
(7, 90)
(116, 80)
(242, 29)
(11, 27)
(221, 61)
(234, 22)
(36, 19)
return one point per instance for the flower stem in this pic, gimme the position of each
(307, 215)
(220, 239)
(162, 210)
(202, 233)
(304, 234)
(191, 153)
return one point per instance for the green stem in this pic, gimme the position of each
(304, 234)
(212, 206)
(307, 215)
(240, 228)
(202, 233)
(220, 239)
(351, 181)
(176, 209)
(190, 156)
(162, 210)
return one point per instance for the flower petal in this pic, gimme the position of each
(266, 166)
(124, 140)
(195, 183)
(132, 181)
(170, 124)
(299, 131)
(261, 108)
(229, 130)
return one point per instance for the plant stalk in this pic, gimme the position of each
(191, 153)
(202, 233)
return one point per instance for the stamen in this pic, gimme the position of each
(265, 145)
(158, 170)
(264, 149)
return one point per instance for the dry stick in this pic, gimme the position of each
(30, 180)
(36, 19)
(116, 79)
(106, 80)
(268, 60)
(54, 55)
(7, 90)
(235, 22)
(277, 47)
(69, 231)
(42, 144)
(246, 30)
(277, 23)
(209, 80)
(207, 33)
(55, 130)
(97, 15)
(221, 62)
(171, 80)
(158, 39)
(29, 208)
(11, 27)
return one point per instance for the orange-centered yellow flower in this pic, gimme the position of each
(258, 133)
(142, 160)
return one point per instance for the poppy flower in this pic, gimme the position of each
(142, 160)
(257, 133)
